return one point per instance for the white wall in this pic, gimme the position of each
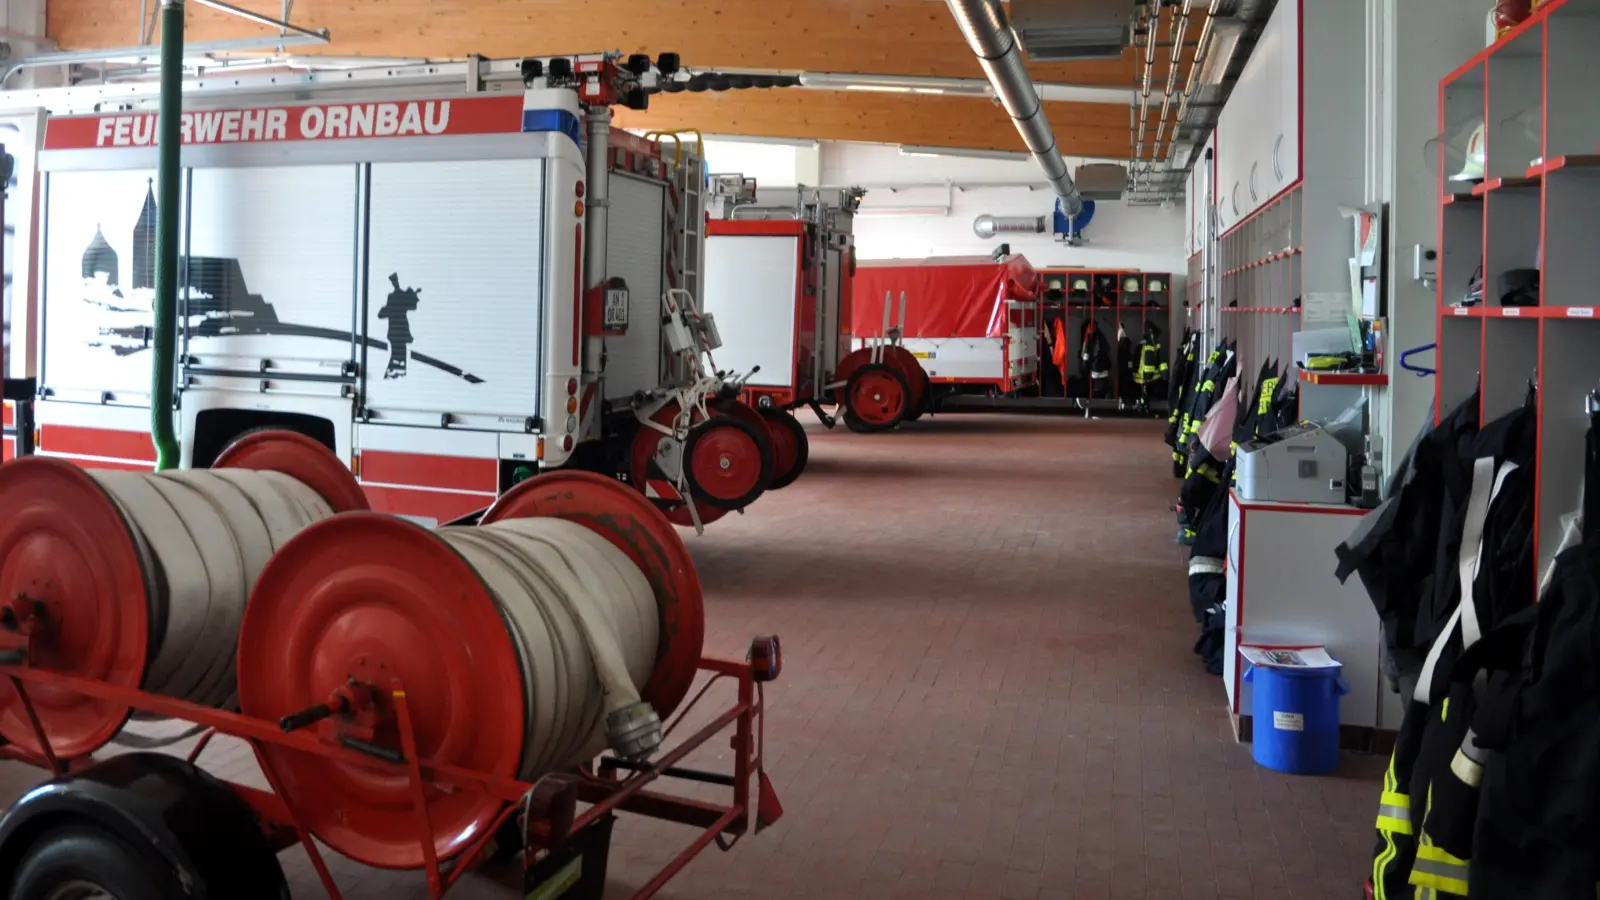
(770, 163)
(1147, 238)
(1422, 41)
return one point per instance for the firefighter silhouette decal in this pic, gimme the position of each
(217, 302)
(401, 302)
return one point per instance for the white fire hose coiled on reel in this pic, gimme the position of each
(585, 625)
(205, 536)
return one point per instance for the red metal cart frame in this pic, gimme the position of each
(551, 819)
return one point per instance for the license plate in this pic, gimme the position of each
(616, 314)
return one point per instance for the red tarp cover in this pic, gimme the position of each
(946, 296)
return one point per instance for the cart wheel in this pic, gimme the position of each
(907, 364)
(790, 447)
(81, 862)
(727, 462)
(640, 452)
(879, 398)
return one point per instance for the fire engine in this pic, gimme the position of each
(781, 281)
(451, 289)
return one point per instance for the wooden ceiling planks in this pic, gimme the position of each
(897, 37)
(885, 37)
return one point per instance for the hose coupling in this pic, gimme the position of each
(634, 731)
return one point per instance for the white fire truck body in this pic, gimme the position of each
(405, 279)
(779, 263)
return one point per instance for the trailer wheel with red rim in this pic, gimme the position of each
(877, 398)
(787, 461)
(791, 449)
(727, 462)
(387, 603)
(117, 575)
(852, 361)
(916, 377)
(648, 479)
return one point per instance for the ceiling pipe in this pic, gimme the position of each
(1180, 30)
(983, 23)
(1152, 24)
(992, 226)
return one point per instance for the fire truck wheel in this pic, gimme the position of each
(727, 462)
(81, 862)
(790, 447)
(878, 398)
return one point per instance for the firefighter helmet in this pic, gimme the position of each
(1508, 14)
(1472, 168)
(1130, 285)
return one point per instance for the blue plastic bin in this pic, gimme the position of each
(1296, 718)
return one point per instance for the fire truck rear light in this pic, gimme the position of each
(538, 449)
(579, 189)
(572, 423)
(355, 464)
(572, 387)
(577, 209)
(572, 404)
(566, 443)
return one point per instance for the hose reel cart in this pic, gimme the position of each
(410, 694)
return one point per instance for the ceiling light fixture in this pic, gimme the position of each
(1225, 36)
(964, 152)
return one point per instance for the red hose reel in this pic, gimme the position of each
(370, 629)
(79, 582)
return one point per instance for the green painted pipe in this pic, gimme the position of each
(168, 177)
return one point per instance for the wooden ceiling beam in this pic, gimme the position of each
(890, 37)
(976, 123)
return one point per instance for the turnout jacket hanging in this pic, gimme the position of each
(1430, 798)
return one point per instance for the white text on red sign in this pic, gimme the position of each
(306, 123)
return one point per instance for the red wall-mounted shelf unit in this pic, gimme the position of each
(1538, 207)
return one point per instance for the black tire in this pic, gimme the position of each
(785, 420)
(709, 427)
(869, 424)
(83, 854)
(926, 406)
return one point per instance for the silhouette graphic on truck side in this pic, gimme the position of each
(215, 301)
(400, 303)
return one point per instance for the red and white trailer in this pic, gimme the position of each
(450, 290)
(971, 322)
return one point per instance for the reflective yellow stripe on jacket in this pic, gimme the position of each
(1394, 818)
(1439, 871)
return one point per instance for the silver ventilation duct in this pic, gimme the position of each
(992, 226)
(984, 24)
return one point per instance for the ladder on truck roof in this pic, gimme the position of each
(416, 81)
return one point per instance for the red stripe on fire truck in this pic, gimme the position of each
(318, 122)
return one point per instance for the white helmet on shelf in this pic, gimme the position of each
(1473, 166)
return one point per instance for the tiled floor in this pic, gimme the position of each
(988, 691)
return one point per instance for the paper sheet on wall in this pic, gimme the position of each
(1324, 310)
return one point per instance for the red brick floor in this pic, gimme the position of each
(988, 691)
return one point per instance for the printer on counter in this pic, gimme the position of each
(1301, 464)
